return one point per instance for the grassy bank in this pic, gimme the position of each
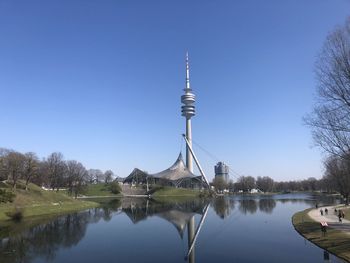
(335, 241)
(38, 202)
(100, 189)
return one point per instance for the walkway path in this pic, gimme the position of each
(331, 218)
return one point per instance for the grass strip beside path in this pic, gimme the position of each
(335, 241)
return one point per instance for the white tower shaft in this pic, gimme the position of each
(189, 158)
(188, 110)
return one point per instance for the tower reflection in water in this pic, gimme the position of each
(191, 233)
(179, 214)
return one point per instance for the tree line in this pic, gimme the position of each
(267, 185)
(53, 172)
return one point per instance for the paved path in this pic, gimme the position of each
(332, 218)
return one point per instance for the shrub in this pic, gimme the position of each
(6, 196)
(114, 187)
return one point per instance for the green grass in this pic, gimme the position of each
(335, 241)
(100, 189)
(171, 191)
(38, 202)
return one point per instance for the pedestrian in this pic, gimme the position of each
(326, 211)
(342, 214)
(321, 211)
(323, 229)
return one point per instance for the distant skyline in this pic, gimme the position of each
(100, 81)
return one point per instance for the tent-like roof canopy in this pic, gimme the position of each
(175, 172)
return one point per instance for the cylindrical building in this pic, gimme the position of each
(222, 170)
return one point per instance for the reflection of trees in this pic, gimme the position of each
(44, 240)
(267, 205)
(106, 212)
(223, 206)
(67, 231)
(293, 201)
(248, 206)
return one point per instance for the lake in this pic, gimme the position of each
(232, 229)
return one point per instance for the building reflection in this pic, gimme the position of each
(180, 214)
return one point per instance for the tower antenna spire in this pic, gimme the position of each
(187, 73)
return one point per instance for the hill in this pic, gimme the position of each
(39, 202)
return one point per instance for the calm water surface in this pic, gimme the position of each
(233, 229)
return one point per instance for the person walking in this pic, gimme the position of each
(340, 216)
(326, 211)
(321, 211)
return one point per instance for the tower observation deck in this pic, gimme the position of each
(188, 111)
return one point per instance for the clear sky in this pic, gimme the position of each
(100, 81)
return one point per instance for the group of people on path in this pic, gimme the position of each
(325, 211)
(340, 213)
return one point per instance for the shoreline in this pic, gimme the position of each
(335, 241)
(33, 215)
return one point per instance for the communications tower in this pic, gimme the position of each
(188, 111)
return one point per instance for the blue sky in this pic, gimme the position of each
(100, 81)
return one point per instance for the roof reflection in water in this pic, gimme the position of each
(177, 213)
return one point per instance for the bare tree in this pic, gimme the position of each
(15, 167)
(309, 184)
(3, 163)
(108, 176)
(55, 168)
(77, 176)
(31, 166)
(330, 119)
(246, 183)
(219, 183)
(338, 170)
(41, 176)
(265, 183)
(95, 175)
